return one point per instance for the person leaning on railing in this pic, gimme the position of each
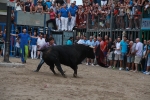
(137, 18)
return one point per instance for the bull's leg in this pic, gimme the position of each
(60, 69)
(75, 70)
(52, 68)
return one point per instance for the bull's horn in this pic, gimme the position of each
(91, 47)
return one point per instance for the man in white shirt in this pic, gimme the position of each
(40, 43)
(138, 53)
(117, 53)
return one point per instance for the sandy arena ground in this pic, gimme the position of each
(94, 83)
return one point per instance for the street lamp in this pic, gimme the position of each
(10, 4)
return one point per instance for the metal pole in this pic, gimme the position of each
(8, 28)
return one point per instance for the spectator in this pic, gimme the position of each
(34, 46)
(96, 44)
(40, 42)
(39, 8)
(110, 52)
(76, 40)
(90, 42)
(72, 11)
(82, 40)
(131, 56)
(70, 41)
(17, 47)
(52, 19)
(48, 4)
(103, 2)
(137, 18)
(124, 49)
(33, 8)
(27, 6)
(138, 54)
(117, 53)
(13, 18)
(1, 43)
(53, 7)
(18, 5)
(58, 20)
(147, 72)
(143, 61)
(64, 13)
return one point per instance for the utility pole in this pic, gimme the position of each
(8, 28)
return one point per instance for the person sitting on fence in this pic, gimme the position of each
(52, 19)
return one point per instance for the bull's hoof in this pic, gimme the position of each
(64, 76)
(75, 75)
(36, 71)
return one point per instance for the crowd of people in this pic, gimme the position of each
(126, 14)
(121, 53)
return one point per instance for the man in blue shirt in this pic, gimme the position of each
(48, 4)
(64, 13)
(72, 11)
(24, 39)
(124, 47)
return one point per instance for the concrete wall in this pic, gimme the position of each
(3, 6)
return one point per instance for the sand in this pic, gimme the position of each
(93, 83)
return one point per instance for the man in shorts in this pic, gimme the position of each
(148, 59)
(131, 56)
(124, 50)
(117, 52)
(110, 52)
(138, 53)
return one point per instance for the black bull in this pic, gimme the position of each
(67, 55)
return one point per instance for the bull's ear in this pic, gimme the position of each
(92, 47)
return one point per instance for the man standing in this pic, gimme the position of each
(1, 43)
(64, 13)
(110, 52)
(24, 37)
(138, 53)
(124, 47)
(40, 42)
(117, 52)
(72, 11)
(148, 59)
(131, 56)
(90, 42)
